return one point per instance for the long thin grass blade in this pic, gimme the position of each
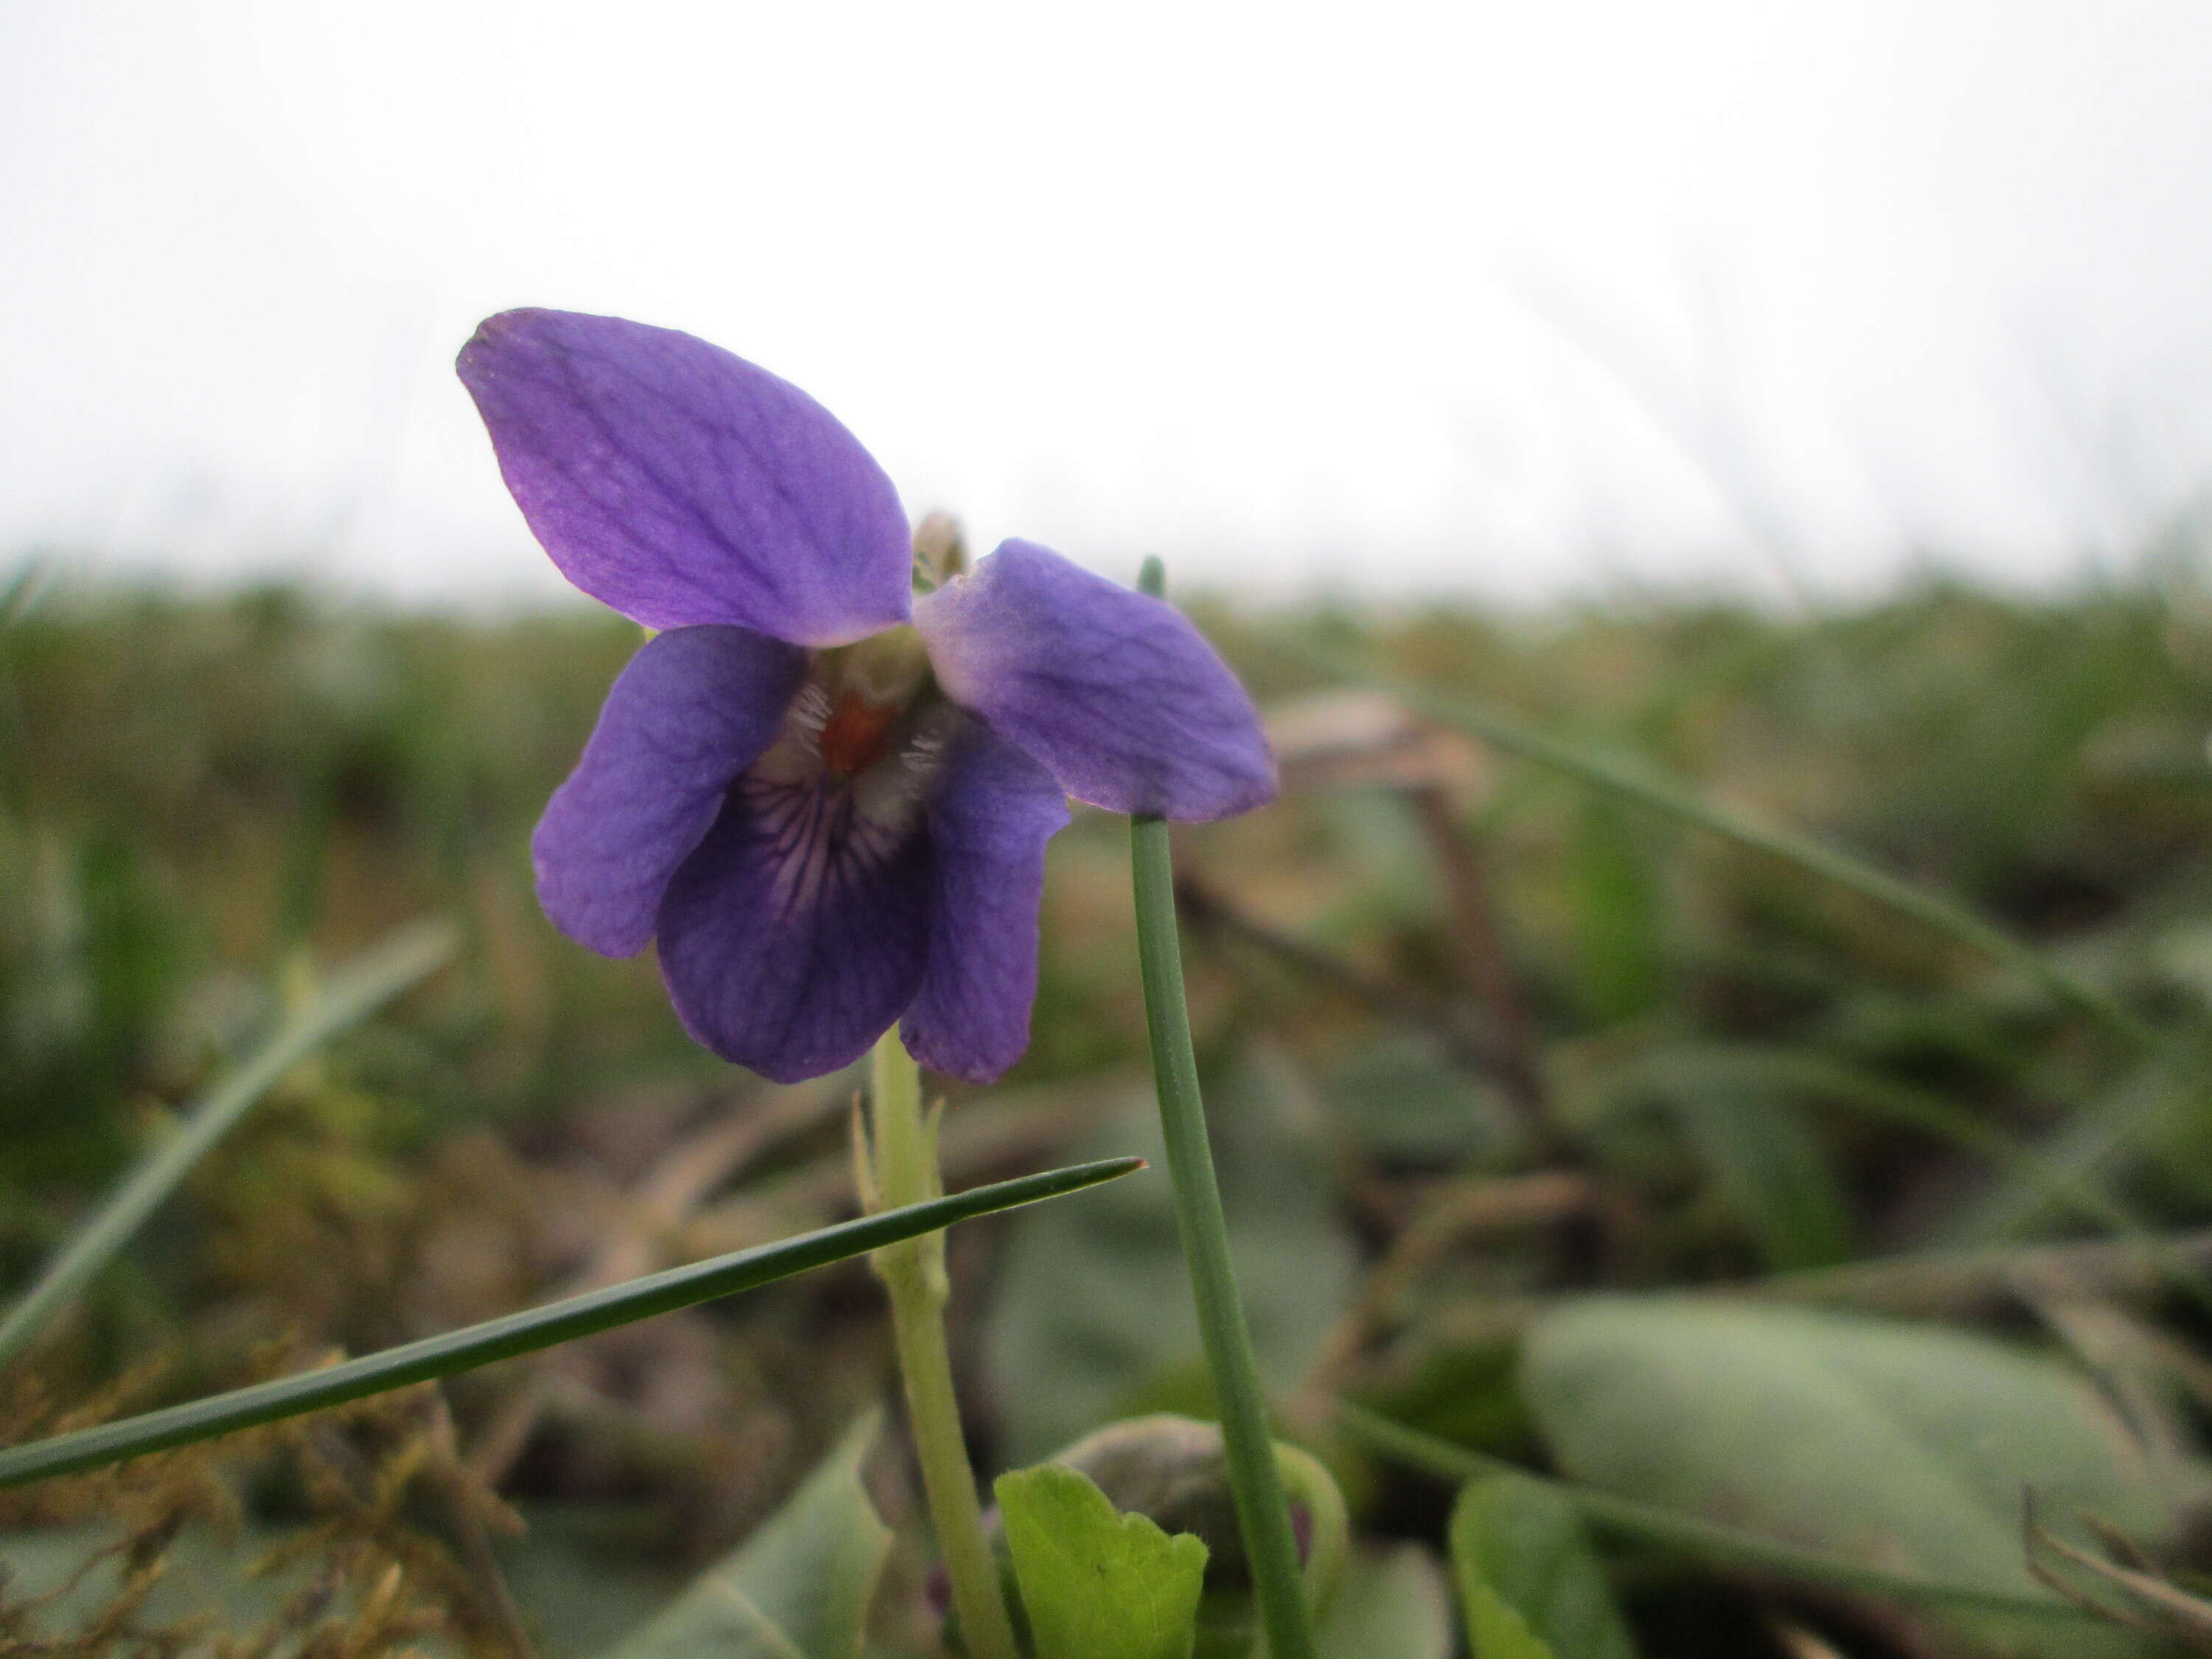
(531, 1329)
(350, 995)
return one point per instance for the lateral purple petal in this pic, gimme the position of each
(1115, 691)
(796, 935)
(690, 712)
(683, 485)
(991, 811)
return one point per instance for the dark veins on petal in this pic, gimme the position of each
(991, 813)
(691, 711)
(797, 933)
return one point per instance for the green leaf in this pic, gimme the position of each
(1096, 1584)
(579, 1587)
(1093, 1305)
(1528, 1581)
(1904, 1447)
(1678, 1532)
(1391, 1606)
(1175, 1471)
(531, 1329)
(798, 1588)
(1495, 1631)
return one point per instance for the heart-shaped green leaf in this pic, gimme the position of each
(1096, 1583)
(1899, 1446)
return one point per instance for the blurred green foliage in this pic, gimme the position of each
(1481, 1042)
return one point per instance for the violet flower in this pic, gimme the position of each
(826, 796)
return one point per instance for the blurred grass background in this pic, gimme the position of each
(1479, 1037)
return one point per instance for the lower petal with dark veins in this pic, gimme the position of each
(992, 809)
(797, 933)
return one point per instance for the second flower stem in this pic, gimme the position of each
(1255, 1483)
(905, 1172)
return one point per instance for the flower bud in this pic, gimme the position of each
(941, 552)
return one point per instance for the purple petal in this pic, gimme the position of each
(682, 485)
(991, 811)
(690, 712)
(1115, 691)
(796, 933)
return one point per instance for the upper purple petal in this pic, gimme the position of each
(796, 935)
(991, 811)
(691, 711)
(683, 485)
(1115, 691)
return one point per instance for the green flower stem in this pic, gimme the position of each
(906, 1172)
(1263, 1512)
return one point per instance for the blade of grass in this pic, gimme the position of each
(1672, 1529)
(531, 1329)
(355, 991)
(1647, 788)
(2064, 1162)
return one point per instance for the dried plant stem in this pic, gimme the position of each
(466, 1499)
(1480, 954)
(905, 1172)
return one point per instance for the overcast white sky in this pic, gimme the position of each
(1393, 296)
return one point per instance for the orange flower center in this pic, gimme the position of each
(852, 737)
